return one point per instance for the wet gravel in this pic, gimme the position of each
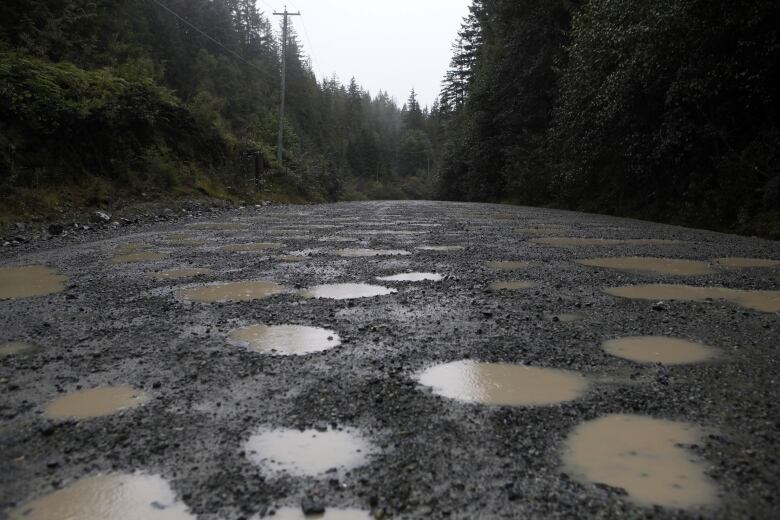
(436, 457)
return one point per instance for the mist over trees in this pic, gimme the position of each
(661, 109)
(172, 95)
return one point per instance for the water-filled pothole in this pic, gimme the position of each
(308, 452)
(659, 349)
(573, 241)
(248, 248)
(745, 263)
(15, 348)
(765, 301)
(411, 277)
(671, 266)
(96, 402)
(364, 253)
(234, 291)
(440, 249)
(115, 497)
(331, 513)
(292, 258)
(141, 256)
(31, 280)
(346, 291)
(503, 383)
(191, 242)
(643, 456)
(175, 274)
(512, 285)
(509, 265)
(568, 317)
(285, 340)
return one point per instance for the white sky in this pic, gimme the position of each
(391, 45)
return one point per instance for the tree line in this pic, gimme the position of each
(177, 95)
(659, 109)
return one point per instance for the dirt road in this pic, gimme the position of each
(522, 372)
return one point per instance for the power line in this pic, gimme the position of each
(280, 146)
(214, 40)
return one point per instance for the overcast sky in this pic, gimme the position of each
(391, 45)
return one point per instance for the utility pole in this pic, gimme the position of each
(280, 144)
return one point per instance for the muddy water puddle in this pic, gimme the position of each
(648, 265)
(572, 241)
(765, 301)
(512, 285)
(308, 452)
(746, 263)
(346, 291)
(440, 249)
(644, 457)
(567, 317)
(188, 242)
(96, 402)
(114, 497)
(509, 265)
(659, 349)
(176, 274)
(31, 280)
(233, 291)
(503, 384)
(295, 513)
(365, 253)
(141, 256)
(17, 348)
(412, 277)
(285, 340)
(248, 248)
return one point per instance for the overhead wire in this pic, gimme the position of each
(211, 38)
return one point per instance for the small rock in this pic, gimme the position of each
(100, 217)
(312, 507)
(659, 306)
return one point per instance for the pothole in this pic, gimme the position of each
(31, 280)
(363, 253)
(346, 291)
(124, 249)
(292, 258)
(141, 256)
(234, 291)
(644, 457)
(331, 513)
(96, 402)
(503, 384)
(308, 452)
(191, 242)
(285, 340)
(115, 497)
(568, 317)
(508, 265)
(765, 301)
(745, 263)
(16, 348)
(248, 248)
(572, 241)
(671, 266)
(440, 249)
(176, 274)
(659, 349)
(411, 277)
(512, 285)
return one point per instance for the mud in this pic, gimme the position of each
(766, 301)
(643, 456)
(28, 281)
(285, 340)
(96, 402)
(670, 266)
(659, 349)
(176, 274)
